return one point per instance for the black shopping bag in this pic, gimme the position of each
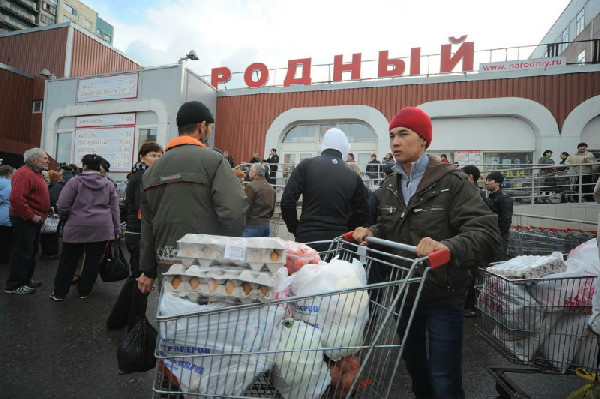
(114, 266)
(136, 352)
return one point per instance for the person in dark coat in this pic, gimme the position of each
(49, 241)
(131, 303)
(373, 168)
(502, 205)
(273, 160)
(331, 193)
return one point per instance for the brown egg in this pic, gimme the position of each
(229, 287)
(176, 281)
(274, 255)
(207, 251)
(194, 283)
(190, 251)
(264, 289)
(212, 285)
(257, 255)
(247, 288)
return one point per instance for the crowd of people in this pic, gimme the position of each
(589, 173)
(190, 188)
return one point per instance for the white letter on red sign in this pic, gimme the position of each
(290, 77)
(220, 75)
(397, 65)
(466, 52)
(339, 67)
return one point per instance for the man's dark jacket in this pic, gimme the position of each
(332, 194)
(448, 208)
(502, 205)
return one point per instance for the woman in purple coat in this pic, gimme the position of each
(90, 205)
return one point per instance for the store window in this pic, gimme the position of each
(37, 106)
(146, 135)
(63, 148)
(580, 22)
(564, 38)
(356, 132)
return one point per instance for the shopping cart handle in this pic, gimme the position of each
(439, 257)
(436, 258)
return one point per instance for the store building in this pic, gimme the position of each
(29, 58)
(490, 118)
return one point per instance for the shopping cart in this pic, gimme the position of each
(541, 323)
(191, 363)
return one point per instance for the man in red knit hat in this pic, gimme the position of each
(29, 207)
(434, 206)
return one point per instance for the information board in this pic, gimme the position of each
(115, 144)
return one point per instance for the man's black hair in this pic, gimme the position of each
(472, 170)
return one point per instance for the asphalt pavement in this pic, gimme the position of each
(63, 350)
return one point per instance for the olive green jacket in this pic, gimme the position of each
(190, 189)
(448, 208)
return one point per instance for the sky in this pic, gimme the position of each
(237, 33)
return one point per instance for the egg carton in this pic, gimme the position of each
(529, 266)
(249, 252)
(238, 285)
(270, 267)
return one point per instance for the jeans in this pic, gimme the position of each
(25, 244)
(68, 263)
(433, 350)
(257, 231)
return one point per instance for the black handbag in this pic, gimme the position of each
(114, 266)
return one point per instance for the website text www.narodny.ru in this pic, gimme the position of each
(521, 65)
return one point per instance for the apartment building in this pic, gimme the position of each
(26, 14)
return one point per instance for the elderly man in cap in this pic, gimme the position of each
(29, 207)
(432, 205)
(190, 189)
(332, 194)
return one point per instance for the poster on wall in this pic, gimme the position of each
(113, 87)
(115, 144)
(463, 158)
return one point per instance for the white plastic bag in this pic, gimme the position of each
(211, 338)
(299, 371)
(584, 259)
(341, 317)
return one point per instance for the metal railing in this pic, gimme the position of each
(534, 184)
(547, 183)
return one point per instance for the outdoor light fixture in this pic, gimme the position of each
(189, 56)
(46, 73)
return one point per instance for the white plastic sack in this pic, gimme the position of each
(524, 344)
(299, 371)
(563, 339)
(584, 259)
(510, 304)
(211, 338)
(340, 317)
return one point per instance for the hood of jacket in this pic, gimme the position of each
(92, 179)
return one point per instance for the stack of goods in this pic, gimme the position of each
(231, 269)
(529, 266)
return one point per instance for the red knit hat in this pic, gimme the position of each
(414, 119)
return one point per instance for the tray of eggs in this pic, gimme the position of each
(235, 284)
(254, 253)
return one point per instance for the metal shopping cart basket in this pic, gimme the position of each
(540, 323)
(233, 351)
